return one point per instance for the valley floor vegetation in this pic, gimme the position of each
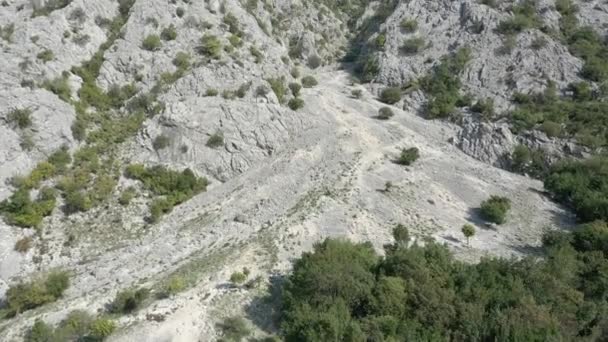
(344, 291)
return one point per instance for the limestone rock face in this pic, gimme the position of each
(494, 71)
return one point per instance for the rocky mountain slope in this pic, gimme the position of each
(207, 85)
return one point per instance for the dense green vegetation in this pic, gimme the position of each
(170, 187)
(442, 84)
(25, 296)
(20, 210)
(583, 185)
(580, 116)
(346, 292)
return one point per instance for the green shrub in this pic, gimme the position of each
(495, 209)
(278, 87)
(77, 200)
(380, 41)
(538, 43)
(60, 159)
(532, 162)
(20, 210)
(151, 42)
(210, 46)
(235, 41)
(309, 81)
(160, 142)
(102, 328)
(409, 25)
(20, 117)
(174, 187)
(158, 208)
(408, 156)
(128, 301)
(211, 92)
(233, 24)
(314, 61)
(6, 32)
(257, 54)
(412, 46)
(40, 332)
(26, 296)
(228, 94)
(238, 278)
(77, 326)
(243, 89)
(401, 234)
(485, 108)
(295, 88)
(50, 6)
(524, 18)
(215, 140)
(390, 95)
(180, 11)
(127, 196)
(234, 329)
(182, 60)
(168, 33)
(172, 287)
(295, 72)
(60, 87)
(46, 55)
(295, 103)
(385, 113)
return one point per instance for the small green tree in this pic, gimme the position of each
(401, 234)
(468, 231)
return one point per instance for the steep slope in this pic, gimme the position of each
(206, 86)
